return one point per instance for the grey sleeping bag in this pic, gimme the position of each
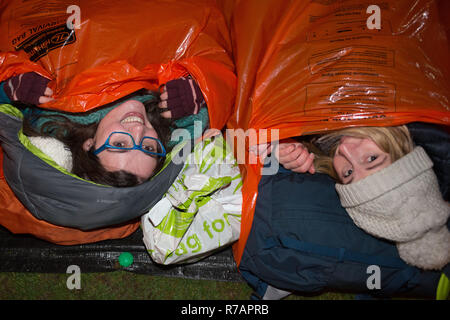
(52, 194)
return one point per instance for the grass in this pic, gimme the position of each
(123, 285)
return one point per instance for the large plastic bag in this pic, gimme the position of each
(311, 66)
(201, 211)
(119, 47)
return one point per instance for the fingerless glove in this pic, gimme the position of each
(26, 88)
(184, 97)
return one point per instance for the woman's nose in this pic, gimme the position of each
(349, 148)
(137, 131)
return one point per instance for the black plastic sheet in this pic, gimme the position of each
(24, 253)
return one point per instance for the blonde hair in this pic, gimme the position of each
(396, 141)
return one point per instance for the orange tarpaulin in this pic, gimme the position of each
(119, 47)
(311, 66)
(108, 50)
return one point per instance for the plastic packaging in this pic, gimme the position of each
(95, 52)
(312, 66)
(200, 213)
(117, 48)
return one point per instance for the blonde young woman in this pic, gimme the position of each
(386, 184)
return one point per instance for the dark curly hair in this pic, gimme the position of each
(86, 164)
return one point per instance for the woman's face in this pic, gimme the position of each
(129, 117)
(357, 158)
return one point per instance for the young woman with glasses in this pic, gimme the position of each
(121, 144)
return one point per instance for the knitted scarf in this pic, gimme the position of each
(39, 117)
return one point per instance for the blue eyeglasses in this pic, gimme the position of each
(124, 141)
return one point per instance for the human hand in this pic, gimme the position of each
(295, 156)
(180, 97)
(209, 134)
(30, 88)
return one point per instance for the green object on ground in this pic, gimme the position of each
(125, 259)
(443, 288)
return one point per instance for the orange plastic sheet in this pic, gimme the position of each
(312, 66)
(108, 50)
(117, 48)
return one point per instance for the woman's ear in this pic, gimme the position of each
(87, 145)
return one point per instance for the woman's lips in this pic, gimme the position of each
(133, 117)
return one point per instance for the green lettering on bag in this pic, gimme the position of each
(176, 223)
(181, 249)
(236, 216)
(179, 219)
(197, 245)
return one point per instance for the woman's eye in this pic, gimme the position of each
(348, 173)
(148, 148)
(372, 158)
(119, 144)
